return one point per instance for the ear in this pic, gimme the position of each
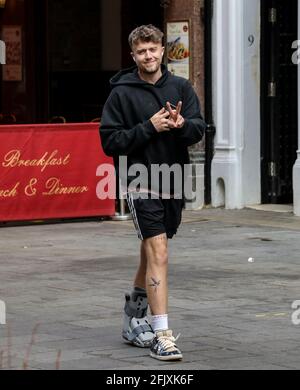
(132, 55)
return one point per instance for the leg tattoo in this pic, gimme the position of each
(155, 284)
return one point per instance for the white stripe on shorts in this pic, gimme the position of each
(134, 216)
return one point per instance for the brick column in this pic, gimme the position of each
(192, 10)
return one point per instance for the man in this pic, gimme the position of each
(151, 117)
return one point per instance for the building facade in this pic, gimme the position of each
(255, 103)
(242, 65)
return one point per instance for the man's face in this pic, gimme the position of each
(148, 56)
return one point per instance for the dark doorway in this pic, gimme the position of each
(74, 35)
(134, 14)
(88, 44)
(279, 100)
(70, 51)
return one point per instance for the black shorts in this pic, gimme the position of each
(153, 217)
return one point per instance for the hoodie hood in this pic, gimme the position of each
(130, 77)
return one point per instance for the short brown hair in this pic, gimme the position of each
(145, 33)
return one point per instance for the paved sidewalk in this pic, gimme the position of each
(66, 282)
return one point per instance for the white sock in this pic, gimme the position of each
(160, 323)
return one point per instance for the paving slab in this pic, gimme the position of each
(234, 276)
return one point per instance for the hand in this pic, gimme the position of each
(176, 121)
(161, 121)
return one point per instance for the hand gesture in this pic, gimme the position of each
(161, 121)
(176, 121)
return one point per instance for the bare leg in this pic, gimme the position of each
(156, 250)
(140, 280)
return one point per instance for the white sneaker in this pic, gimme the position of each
(163, 347)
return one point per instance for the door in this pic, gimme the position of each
(279, 100)
(133, 15)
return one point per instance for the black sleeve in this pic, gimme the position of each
(194, 128)
(117, 140)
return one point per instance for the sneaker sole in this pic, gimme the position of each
(166, 358)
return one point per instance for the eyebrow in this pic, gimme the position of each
(152, 47)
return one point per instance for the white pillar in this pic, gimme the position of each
(236, 96)
(296, 172)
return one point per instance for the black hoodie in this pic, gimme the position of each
(126, 128)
